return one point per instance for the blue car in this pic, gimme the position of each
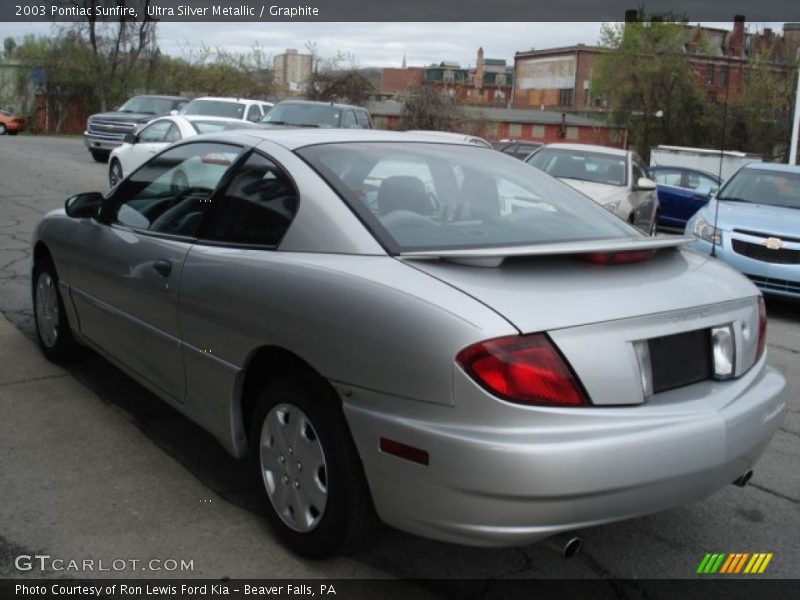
(753, 224)
(681, 193)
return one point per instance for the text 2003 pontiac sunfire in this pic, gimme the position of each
(434, 335)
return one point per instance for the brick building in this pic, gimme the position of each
(492, 123)
(560, 78)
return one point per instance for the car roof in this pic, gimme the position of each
(160, 96)
(228, 99)
(320, 103)
(678, 168)
(590, 148)
(292, 139)
(777, 167)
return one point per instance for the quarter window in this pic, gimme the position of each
(256, 208)
(172, 192)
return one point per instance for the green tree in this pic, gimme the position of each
(646, 74)
(9, 45)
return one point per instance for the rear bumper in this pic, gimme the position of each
(519, 478)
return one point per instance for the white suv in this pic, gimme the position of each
(231, 108)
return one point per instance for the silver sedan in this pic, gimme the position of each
(429, 334)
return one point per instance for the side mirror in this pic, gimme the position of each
(84, 206)
(174, 112)
(130, 138)
(645, 185)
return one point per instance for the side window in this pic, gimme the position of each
(349, 120)
(700, 183)
(254, 113)
(667, 177)
(173, 135)
(257, 207)
(363, 119)
(155, 133)
(171, 193)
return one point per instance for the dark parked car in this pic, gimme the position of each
(520, 149)
(326, 115)
(681, 193)
(105, 131)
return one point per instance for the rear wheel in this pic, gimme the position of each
(114, 172)
(52, 328)
(100, 156)
(319, 502)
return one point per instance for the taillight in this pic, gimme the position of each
(526, 369)
(762, 328)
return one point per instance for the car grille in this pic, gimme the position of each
(781, 256)
(770, 284)
(112, 131)
(764, 234)
(680, 359)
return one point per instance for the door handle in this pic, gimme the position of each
(163, 267)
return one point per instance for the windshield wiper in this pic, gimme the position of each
(734, 199)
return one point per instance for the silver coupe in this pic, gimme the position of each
(401, 329)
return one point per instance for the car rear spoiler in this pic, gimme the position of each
(494, 257)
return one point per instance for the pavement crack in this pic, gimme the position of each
(774, 493)
(6, 384)
(794, 433)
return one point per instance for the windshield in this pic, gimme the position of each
(304, 115)
(431, 196)
(759, 186)
(214, 108)
(582, 165)
(147, 105)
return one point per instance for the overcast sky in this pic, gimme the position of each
(372, 44)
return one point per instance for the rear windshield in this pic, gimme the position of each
(212, 126)
(757, 186)
(431, 196)
(304, 115)
(581, 165)
(214, 108)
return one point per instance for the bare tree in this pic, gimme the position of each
(118, 43)
(427, 108)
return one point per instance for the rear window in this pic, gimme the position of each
(429, 196)
(214, 108)
(581, 165)
(304, 115)
(212, 126)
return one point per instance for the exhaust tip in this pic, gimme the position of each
(571, 547)
(742, 480)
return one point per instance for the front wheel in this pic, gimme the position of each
(52, 328)
(114, 173)
(319, 502)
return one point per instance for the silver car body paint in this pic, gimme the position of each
(384, 331)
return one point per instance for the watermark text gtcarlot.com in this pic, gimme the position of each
(47, 563)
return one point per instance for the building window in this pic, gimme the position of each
(572, 132)
(723, 76)
(515, 129)
(449, 76)
(537, 131)
(710, 74)
(500, 79)
(565, 97)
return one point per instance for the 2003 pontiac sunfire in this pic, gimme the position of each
(431, 334)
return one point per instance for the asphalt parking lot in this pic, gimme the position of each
(232, 539)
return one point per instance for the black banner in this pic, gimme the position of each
(724, 588)
(376, 10)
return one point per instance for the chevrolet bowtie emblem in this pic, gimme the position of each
(773, 243)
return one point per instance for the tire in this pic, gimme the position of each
(52, 328)
(301, 442)
(100, 156)
(114, 173)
